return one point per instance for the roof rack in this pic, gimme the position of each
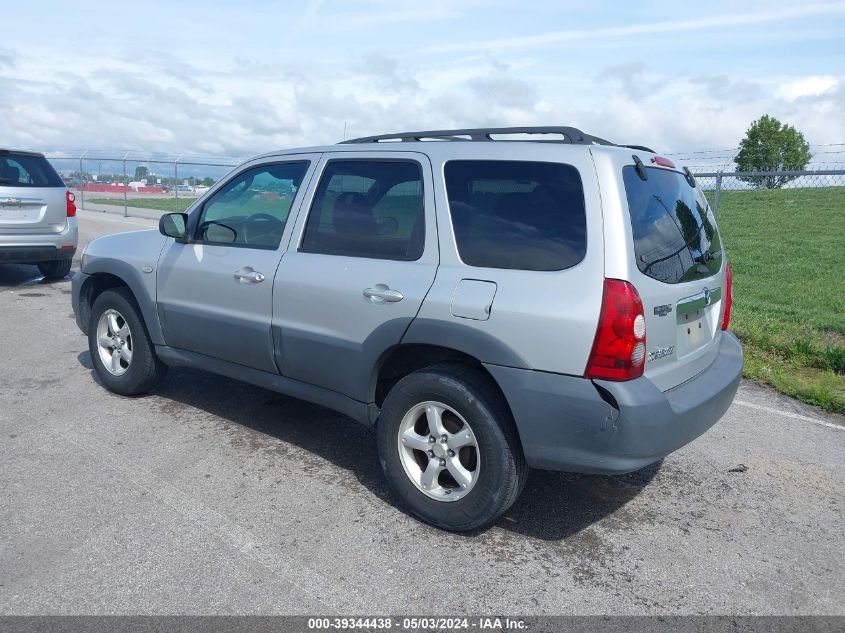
(570, 135)
(642, 148)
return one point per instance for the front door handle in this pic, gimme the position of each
(381, 293)
(247, 275)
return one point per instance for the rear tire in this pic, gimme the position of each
(121, 351)
(55, 270)
(474, 420)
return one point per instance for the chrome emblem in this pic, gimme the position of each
(663, 310)
(707, 298)
(661, 352)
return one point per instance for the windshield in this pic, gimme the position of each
(675, 234)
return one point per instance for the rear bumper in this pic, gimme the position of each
(574, 424)
(34, 254)
(33, 248)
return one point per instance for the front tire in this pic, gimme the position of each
(121, 351)
(55, 270)
(449, 447)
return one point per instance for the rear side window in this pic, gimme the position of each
(23, 170)
(675, 233)
(517, 214)
(368, 208)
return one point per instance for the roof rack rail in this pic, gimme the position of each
(642, 148)
(571, 135)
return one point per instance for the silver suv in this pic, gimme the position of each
(487, 304)
(37, 214)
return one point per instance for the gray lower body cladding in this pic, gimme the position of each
(80, 312)
(34, 254)
(574, 424)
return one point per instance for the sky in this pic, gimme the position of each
(236, 79)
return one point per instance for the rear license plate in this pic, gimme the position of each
(694, 329)
(18, 214)
(696, 321)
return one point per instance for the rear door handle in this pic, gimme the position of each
(247, 275)
(381, 293)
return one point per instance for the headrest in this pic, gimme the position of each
(10, 173)
(353, 216)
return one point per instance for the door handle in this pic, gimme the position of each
(381, 293)
(248, 276)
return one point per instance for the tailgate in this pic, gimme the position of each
(32, 195)
(681, 264)
(32, 210)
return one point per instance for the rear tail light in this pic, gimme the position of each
(71, 206)
(729, 296)
(619, 347)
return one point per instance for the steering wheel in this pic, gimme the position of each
(262, 229)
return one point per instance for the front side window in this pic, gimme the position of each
(252, 209)
(368, 208)
(517, 214)
(675, 234)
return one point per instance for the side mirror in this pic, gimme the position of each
(174, 225)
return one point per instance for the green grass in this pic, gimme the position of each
(160, 204)
(787, 254)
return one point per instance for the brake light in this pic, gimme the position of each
(663, 162)
(619, 347)
(729, 296)
(71, 207)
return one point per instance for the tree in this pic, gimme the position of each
(141, 172)
(770, 145)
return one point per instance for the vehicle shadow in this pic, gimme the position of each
(553, 506)
(25, 275)
(14, 275)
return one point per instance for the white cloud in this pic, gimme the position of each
(331, 69)
(813, 86)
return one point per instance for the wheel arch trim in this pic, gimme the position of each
(131, 278)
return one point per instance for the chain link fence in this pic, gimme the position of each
(714, 183)
(144, 184)
(149, 184)
(826, 156)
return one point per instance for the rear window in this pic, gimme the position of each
(517, 214)
(368, 208)
(675, 233)
(23, 170)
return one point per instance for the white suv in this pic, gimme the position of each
(37, 214)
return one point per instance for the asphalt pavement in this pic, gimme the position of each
(212, 496)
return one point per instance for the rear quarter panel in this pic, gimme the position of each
(538, 320)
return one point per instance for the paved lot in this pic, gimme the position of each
(213, 496)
